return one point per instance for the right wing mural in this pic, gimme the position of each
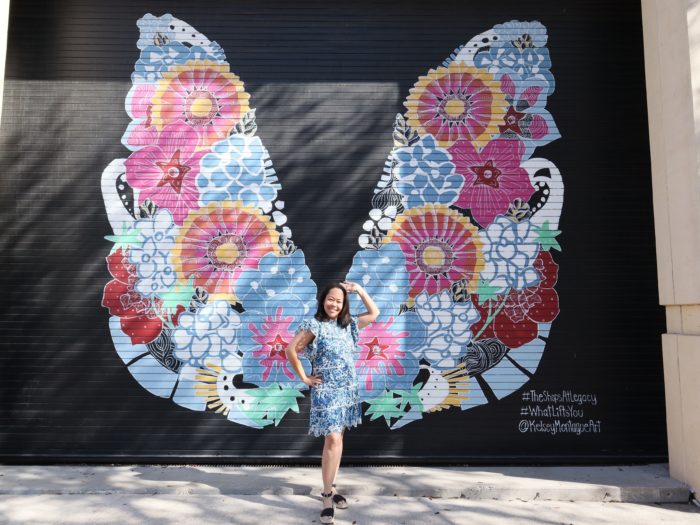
(458, 244)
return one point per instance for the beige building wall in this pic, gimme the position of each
(672, 61)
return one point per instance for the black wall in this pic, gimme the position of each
(327, 79)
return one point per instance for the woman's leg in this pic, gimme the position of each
(330, 461)
(340, 455)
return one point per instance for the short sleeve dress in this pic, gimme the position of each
(335, 404)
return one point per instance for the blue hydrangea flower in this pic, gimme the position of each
(155, 60)
(238, 168)
(383, 274)
(208, 332)
(279, 280)
(502, 35)
(153, 255)
(426, 174)
(510, 250)
(510, 31)
(156, 30)
(528, 62)
(448, 325)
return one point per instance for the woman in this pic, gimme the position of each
(330, 339)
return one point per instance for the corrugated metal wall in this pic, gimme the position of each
(546, 349)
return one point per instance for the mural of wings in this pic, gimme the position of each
(209, 287)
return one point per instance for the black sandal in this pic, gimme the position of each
(339, 500)
(327, 514)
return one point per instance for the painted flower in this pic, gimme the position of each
(381, 219)
(166, 171)
(493, 177)
(456, 102)
(519, 58)
(156, 59)
(425, 174)
(190, 392)
(263, 343)
(509, 251)
(208, 332)
(517, 323)
(533, 33)
(381, 361)
(383, 274)
(140, 317)
(449, 328)
(219, 241)
(141, 131)
(157, 30)
(278, 279)
(239, 169)
(526, 118)
(202, 94)
(440, 245)
(152, 256)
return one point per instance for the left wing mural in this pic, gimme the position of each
(208, 286)
(198, 229)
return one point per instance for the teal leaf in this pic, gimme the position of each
(486, 292)
(547, 237)
(394, 404)
(128, 237)
(178, 295)
(271, 403)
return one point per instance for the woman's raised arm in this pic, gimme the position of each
(372, 311)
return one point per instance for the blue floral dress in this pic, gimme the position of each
(335, 404)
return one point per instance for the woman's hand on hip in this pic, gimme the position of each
(312, 380)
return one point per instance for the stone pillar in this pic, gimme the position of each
(672, 62)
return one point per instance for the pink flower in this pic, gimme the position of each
(380, 363)
(203, 94)
(270, 342)
(441, 246)
(220, 240)
(493, 177)
(456, 102)
(527, 121)
(141, 131)
(166, 171)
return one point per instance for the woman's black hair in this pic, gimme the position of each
(344, 315)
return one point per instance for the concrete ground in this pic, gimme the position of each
(377, 495)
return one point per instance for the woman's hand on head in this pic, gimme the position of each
(351, 287)
(312, 380)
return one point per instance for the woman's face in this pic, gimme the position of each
(333, 303)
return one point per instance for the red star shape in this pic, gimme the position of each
(512, 121)
(487, 174)
(173, 172)
(277, 346)
(373, 345)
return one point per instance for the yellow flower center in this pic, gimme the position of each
(454, 107)
(201, 107)
(227, 253)
(433, 256)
